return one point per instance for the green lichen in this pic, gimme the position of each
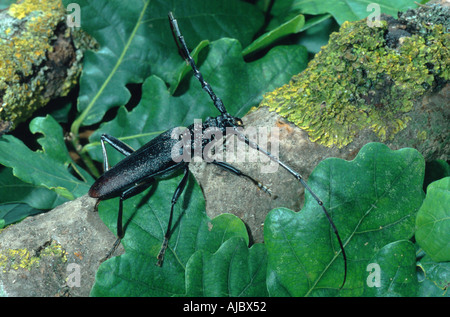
(15, 259)
(358, 82)
(26, 35)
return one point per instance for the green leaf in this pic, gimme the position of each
(13, 190)
(343, 10)
(146, 217)
(6, 3)
(185, 68)
(234, 270)
(240, 85)
(435, 279)
(52, 143)
(135, 39)
(290, 27)
(19, 200)
(47, 168)
(316, 32)
(433, 221)
(316, 20)
(11, 213)
(222, 228)
(372, 201)
(396, 270)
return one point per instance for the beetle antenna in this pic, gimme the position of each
(255, 146)
(184, 52)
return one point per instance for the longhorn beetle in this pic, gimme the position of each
(139, 169)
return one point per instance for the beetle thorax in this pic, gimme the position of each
(222, 122)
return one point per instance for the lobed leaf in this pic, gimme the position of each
(135, 40)
(234, 270)
(372, 200)
(19, 199)
(397, 271)
(433, 221)
(47, 167)
(146, 218)
(435, 278)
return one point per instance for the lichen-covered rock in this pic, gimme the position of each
(40, 58)
(371, 78)
(56, 253)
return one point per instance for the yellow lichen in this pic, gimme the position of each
(15, 259)
(357, 82)
(23, 52)
(22, 9)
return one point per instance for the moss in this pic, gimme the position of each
(15, 259)
(27, 33)
(357, 81)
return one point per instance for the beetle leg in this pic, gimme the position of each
(118, 145)
(237, 172)
(175, 197)
(132, 191)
